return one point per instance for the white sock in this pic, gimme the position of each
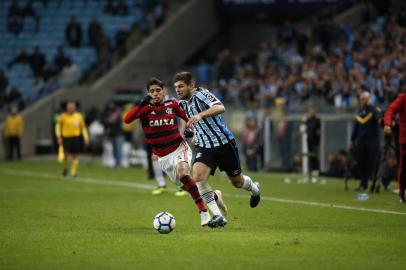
(207, 195)
(159, 176)
(249, 185)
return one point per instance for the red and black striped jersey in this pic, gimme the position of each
(159, 125)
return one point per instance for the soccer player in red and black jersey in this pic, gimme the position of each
(399, 106)
(159, 121)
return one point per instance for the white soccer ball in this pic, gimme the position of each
(164, 222)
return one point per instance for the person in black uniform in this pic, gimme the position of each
(313, 140)
(365, 139)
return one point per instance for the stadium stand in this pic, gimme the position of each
(333, 64)
(47, 31)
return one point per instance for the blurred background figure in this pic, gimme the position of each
(251, 142)
(113, 127)
(313, 140)
(365, 139)
(13, 130)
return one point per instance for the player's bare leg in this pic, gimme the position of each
(189, 185)
(245, 182)
(74, 165)
(201, 173)
(65, 164)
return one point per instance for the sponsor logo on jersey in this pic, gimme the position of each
(169, 111)
(153, 112)
(209, 96)
(161, 122)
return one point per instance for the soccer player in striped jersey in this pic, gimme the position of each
(158, 120)
(215, 144)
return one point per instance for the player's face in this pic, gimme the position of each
(71, 107)
(157, 94)
(183, 90)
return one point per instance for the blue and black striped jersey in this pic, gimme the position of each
(211, 131)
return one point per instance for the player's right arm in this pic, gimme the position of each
(390, 111)
(137, 111)
(213, 104)
(133, 114)
(58, 131)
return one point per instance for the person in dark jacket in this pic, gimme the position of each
(365, 139)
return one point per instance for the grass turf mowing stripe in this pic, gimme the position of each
(99, 181)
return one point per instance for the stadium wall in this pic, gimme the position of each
(166, 49)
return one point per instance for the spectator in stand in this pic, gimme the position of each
(159, 13)
(73, 33)
(13, 130)
(204, 73)
(69, 75)
(22, 58)
(3, 88)
(3, 82)
(94, 32)
(121, 41)
(15, 18)
(109, 8)
(14, 98)
(121, 9)
(61, 60)
(29, 11)
(224, 65)
(37, 62)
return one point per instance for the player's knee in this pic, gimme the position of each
(237, 181)
(237, 184)
(181, 174)
(198, 177)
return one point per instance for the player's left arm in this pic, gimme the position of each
(214, 105)
(84, 132)
(390, 111)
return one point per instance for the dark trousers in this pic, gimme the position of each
(313, 156)
(367, 152)
(13, 143)
(402, 170)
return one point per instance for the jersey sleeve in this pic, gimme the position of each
(179, 112)
(83, 129)
(207, 98)
(393, 108)
(133, 114)
(58, 126)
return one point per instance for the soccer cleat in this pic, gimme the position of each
(254, 200)
(220, 202)
(65, 172)
(402, 199)
(181, 193)
(204, 218)
(217, 221)
(159, 191)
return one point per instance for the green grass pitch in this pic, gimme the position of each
(103, 220)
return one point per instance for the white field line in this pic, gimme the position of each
(98, 181)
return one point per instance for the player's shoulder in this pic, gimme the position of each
(171, 102)
(204, 93)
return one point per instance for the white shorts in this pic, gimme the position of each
(169, 162)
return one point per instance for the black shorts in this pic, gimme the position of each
(72, 145)
(225, 157)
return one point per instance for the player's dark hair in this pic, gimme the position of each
(185, 76)
(155, 81)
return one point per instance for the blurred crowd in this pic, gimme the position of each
(61, 70)
(334, 63)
